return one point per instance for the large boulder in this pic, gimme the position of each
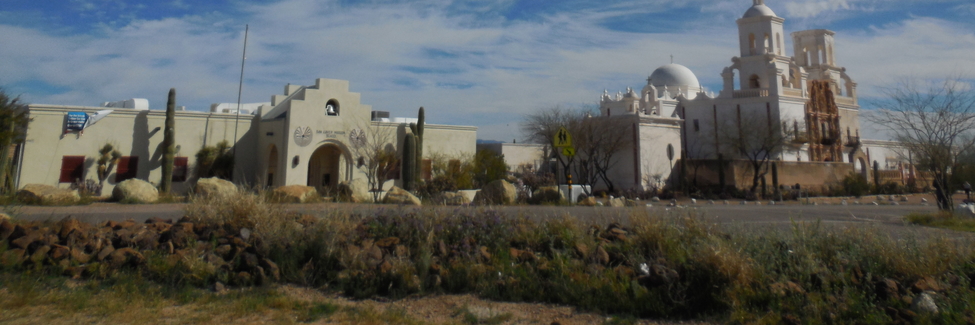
(355, 191)
(498, 192)
(453, 198)
(549, 194)
(47, 194)
(215, 187)
(135, 190)
(294, 194)
(469, 195)
(588, 201)
(396, 195)
(617, 202)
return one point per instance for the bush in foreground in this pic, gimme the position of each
(661, 266)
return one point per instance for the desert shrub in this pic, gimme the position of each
(215, 161)
(854, 185)
(673, 265)
(489, 166)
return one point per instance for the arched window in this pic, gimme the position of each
(767, 43)
(778, 43)
(822, 55)
(751, 43)
(332, 108)
(754, 82)
(829, 52)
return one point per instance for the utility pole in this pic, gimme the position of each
(240, 89)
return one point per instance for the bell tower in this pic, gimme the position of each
(760, 31)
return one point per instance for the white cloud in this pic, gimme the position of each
(401, 56)
(807, 8)
(924, 48)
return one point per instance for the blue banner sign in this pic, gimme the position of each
(76, 121)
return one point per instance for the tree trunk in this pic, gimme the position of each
(942, 193)
(5, 169)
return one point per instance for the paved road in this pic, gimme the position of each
(743, 217)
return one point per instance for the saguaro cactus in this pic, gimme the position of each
(417, 129)
(409, 159)
(169, 144)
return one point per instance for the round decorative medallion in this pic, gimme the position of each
(303, 136)
(357, 138)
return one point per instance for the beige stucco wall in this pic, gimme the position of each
(133, 133)
(518, 154)
(139, 133)
(306, 109)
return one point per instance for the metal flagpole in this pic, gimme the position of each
(240, 88)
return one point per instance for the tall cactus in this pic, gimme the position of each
(417, 129)
(169, 144)
(409, 160)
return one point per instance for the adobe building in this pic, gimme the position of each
(306, 136)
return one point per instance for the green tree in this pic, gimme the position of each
(14, 117)
(489, 166)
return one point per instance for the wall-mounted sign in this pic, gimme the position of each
(76, 122)
(329, 134)
(79, 121)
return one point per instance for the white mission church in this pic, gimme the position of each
(762, 87)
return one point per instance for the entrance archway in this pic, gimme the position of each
(861, 167)
(324, 168)
(272, 165)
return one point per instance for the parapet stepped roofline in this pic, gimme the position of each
(281, 103)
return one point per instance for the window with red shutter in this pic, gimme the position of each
(72, 168)
(180, 169)
(426, 169)
(128, 167)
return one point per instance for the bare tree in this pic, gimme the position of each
(374, 154)
(934, 122)
(597, 140)
(756, 139)
(542, 126)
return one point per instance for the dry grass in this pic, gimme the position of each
(813, 273)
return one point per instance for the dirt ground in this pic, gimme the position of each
(443, 309)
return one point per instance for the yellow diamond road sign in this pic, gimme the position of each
(562, 138)
(568, 151)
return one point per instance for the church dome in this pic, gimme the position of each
(759, 10)
(673, 75)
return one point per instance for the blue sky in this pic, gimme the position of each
(482, 63)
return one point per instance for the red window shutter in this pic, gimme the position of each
(426, 168)
(72, 168)
(180, 169)
(128, 167)
(395, 171)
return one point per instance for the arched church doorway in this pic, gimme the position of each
(861, 167)
(323, 168)
(272, 165)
